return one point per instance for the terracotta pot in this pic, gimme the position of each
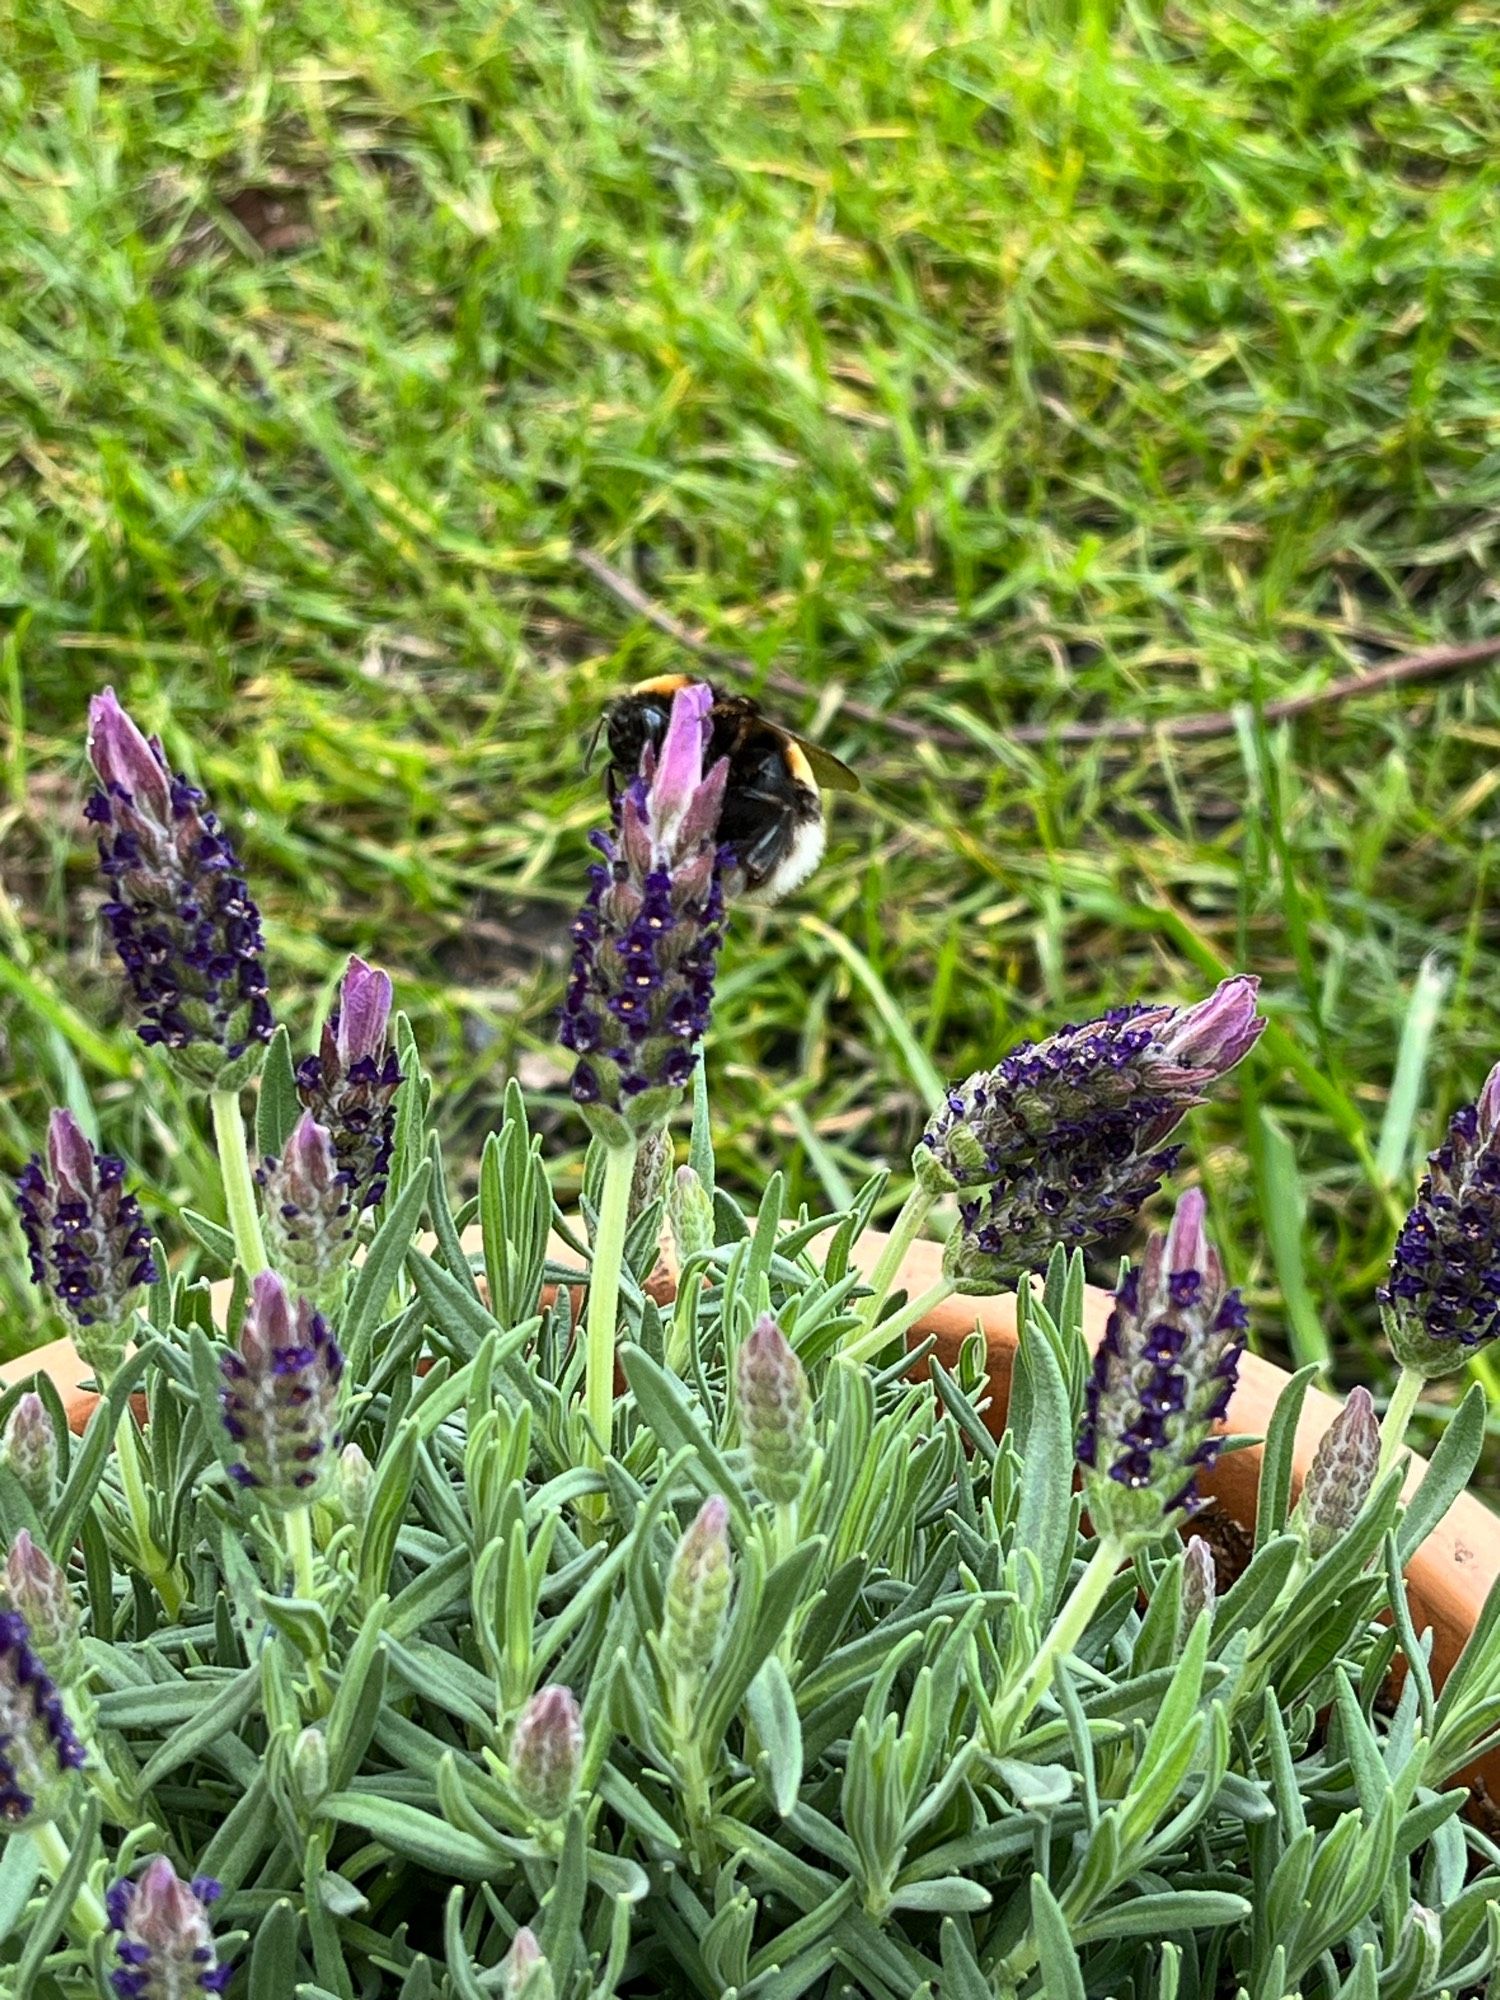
(1449, 1576)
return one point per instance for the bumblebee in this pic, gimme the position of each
(773, 807)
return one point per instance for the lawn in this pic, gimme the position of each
(968, 370)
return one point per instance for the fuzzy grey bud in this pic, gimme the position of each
(29, 1451)
(309, 1768)
(524, 1971)
(164, 1941)
(38, 1589)
(309, 1212)
(1342, 1472)
(697, 1594)
(546, 1753)
(356, 1483)
(1200, 1586)
(775, 1412)
(690, 1213)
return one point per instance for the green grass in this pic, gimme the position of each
(985, 363)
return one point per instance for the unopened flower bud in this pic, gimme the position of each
(646, 941)
(775, 1412)
(1200, 1587)
(309, 1768)
(653, 1169)
(1341, 1474)
(1441, 1299)
(282, 1398)
(697, 1594)
(183, 924)
(350, 1085)
(356, 1483)
(38, 1589)
(524, 1972)
(164, 1941)
(89, 1247)
(39, 1747)
(309, 1213)
(690, 1213)
(1162, 1378)
(546, 1753)
(29, 1451)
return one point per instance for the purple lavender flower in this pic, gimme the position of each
(164, 1940)
(1441, 1300)
(1162, 1378)
(309, 1214)
(183, 923)
(29, 1450)
(646, 941)
(350, 1085)
(1137, 1068)
(39, 1746)
(1087, 1185)
(546, 1753)
(281, 1398)
(39, 1591)
(775, 1412)
(1341, 1474)
(88, 1244)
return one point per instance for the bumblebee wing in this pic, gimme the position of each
(832, 773)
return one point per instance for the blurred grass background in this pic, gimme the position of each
(984, 364)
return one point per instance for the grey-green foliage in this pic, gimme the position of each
(843, 1804)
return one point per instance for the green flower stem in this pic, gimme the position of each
(1409, 1386)
(908, 1227)
(604, 1301)
(299, 1546)
(870, 1342)
(1067, 1629)
(239, 1186)
(158, 1571)
(89, 1920)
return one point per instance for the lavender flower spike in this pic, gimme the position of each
(1086, 1088)
(350, 1085)
(38, 1589)
(164, 1940)
(524, 1971)
(39, 1747)
(647, 939)
(775, 1412)
(183, 923)
(282, 1398)
(1162, 1378)
(1441, 1299)
(88, 1244)
(546, 1753)
(29, 1450)
(1087, 1185)
(309, 1215)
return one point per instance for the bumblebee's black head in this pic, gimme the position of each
(635, 719)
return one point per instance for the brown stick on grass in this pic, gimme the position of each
(1429, 664)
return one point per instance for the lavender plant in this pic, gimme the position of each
(408, 1651)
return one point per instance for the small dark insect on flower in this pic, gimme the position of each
(1163, 1376)
(647, 939)
(350, 1085)
(1441, 1300)
(164, 1941)
(282, 1398)
(39, 1748)
(182, 920)
(89, 1246)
